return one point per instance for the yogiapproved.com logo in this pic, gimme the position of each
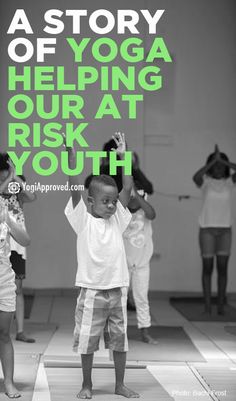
(14, 187)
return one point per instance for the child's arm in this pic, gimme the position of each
(73, 180)
(18, 232)
(198, 176)
(127, 180)
(232, 166)
(149, 211)
(24, 195)
(4, 184)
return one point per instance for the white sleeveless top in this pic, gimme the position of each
(216, 206)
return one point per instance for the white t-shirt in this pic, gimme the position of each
(216, 207)
(138, 240)
(100, 248)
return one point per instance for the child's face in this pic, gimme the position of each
(218, 170)
(104, 201)
(3, 175)
(133, 205)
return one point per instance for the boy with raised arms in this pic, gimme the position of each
(102, 273)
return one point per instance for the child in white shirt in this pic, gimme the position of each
(139, 250)
(215, 221)
(102, 272)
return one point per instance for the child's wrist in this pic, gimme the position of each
(71, 153)
(7, 226)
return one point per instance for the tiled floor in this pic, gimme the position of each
(51, 323)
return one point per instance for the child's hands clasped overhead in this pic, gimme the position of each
(217, 154)
(12, 175)
(219, 158)
(70, 149)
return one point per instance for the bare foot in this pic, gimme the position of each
(85, 393)
(148, 339)
(126, 392)
(22, 337)
(11, 391)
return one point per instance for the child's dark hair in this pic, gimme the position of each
(4, 164)
(224, 157)
(4, 159)
(102, 179)
(108, 146)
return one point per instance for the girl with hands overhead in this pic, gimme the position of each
(215, 221)
(139, 250)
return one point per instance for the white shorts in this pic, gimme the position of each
(7, 288)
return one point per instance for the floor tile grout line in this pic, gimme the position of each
(216, 345)
(189, 323)
(195, 341)
(41, 390)
(202, 382)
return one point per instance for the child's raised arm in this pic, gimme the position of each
(230, 165)
(73, 180)
(24, 195)
(4, 184)
(149, 211)
(17, 231)
(127, 180)
(198, 176)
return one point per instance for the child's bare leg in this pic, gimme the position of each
(7, 354)
(206, 282)
(121, 389)
(87, 364)
(222, 263)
